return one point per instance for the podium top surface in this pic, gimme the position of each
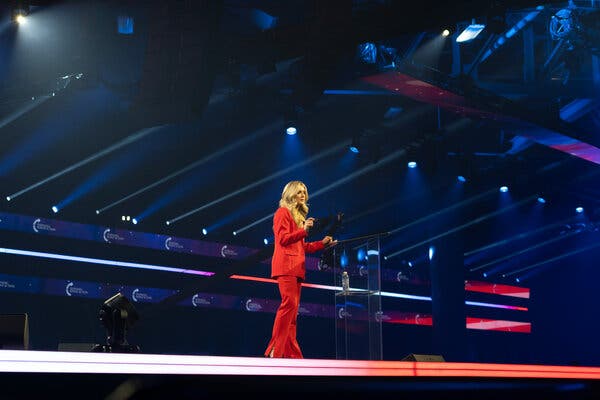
(358, 292)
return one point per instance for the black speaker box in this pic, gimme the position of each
(14, 331)
(83, 347)
(424, 358)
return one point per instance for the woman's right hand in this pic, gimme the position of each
(309, 223)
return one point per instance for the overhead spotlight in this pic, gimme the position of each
(368, 52)
(117, 315)
(412, 164)
(362, 143)
(579, 209)
(446, 32)
(122, 218)
(19, 14)
(461, 178)
(204, 231)
(21, 19)
(7, 198)
(97, 212)
(470, 33)
(262, 20)
(266, 241)
(355, 145)
(125, 24)
(134, 221)
(504, 189)
(234, 233)
(168, 222)
(55, 209)
(291, 116)
(563, 24)
(541, 200)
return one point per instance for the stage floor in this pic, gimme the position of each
(111, 376)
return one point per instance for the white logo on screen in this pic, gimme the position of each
(225, 252)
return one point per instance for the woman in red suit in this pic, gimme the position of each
(290, 227)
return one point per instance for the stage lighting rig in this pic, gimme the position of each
(117, 315)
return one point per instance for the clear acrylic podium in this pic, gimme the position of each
(358, 309)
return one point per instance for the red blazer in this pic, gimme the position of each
(290, 247)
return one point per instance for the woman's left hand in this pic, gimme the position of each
(328, 241)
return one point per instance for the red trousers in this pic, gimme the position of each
(283, 341)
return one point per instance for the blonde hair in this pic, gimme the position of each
(288, 200)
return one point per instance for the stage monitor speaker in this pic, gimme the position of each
(424, 358)
(14, 331)
(82, 347)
